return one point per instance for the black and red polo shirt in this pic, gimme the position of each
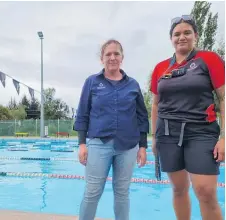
(188, 97)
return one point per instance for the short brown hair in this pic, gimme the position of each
(110, 42)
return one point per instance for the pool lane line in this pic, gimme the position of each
(62, 176)
(38, 150)
(66, 176)
(38, 158)
(61, 159)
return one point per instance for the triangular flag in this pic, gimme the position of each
(17, 86)
(31, 91)
(2, 78)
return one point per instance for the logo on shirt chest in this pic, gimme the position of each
(101, 86)
(192, 66)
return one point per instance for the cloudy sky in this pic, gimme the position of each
(74, 33)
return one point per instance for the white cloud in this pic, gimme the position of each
(73, 34)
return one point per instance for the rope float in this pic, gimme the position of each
(66, 176)
(38, 158)
(61, 159)
(38, 149)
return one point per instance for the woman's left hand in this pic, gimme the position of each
(141, 156)
(219, 150)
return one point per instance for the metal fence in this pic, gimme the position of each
(10, 127)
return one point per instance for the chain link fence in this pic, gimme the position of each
(32, 127)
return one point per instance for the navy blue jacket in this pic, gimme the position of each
(107, 110)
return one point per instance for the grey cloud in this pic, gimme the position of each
(139, 38)
(11, 41)
(22, 71)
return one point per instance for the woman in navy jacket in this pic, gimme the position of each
(112, 114)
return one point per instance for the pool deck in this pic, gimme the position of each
(17, 215)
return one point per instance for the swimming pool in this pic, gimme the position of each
(27, 182)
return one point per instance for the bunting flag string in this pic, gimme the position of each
(31, 91)
(17, 84)
(2, 78)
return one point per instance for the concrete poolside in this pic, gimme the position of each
(17, 215)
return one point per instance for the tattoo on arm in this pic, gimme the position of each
(221, 94)
(222, 133)
(222, 97)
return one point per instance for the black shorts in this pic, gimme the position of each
(190, 148)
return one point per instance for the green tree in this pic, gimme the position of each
(18, 113)
(5, 113)
(206, 24)
(207, 28)
(35, 105)
(147, 101)
(25, 102)
(33, 112)
(221, 49)
(31, 107)
(147, 96)
(12, 104)
(54, 108)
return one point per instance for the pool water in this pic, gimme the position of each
(63, 196)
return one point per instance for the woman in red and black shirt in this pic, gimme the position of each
(186, 135)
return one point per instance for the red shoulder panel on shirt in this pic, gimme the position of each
(158, 71)
(216, 66)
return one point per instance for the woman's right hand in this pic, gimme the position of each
(153, 146)
(82, 154)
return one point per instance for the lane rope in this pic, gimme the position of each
(66, 176)
(38, 150)
(61, 159)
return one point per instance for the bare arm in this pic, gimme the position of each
(221, 97)
(154, 114)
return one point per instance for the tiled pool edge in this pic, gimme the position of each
(19, 215)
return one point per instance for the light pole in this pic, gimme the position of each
(41, 36)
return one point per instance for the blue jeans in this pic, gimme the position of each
(100, 158)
